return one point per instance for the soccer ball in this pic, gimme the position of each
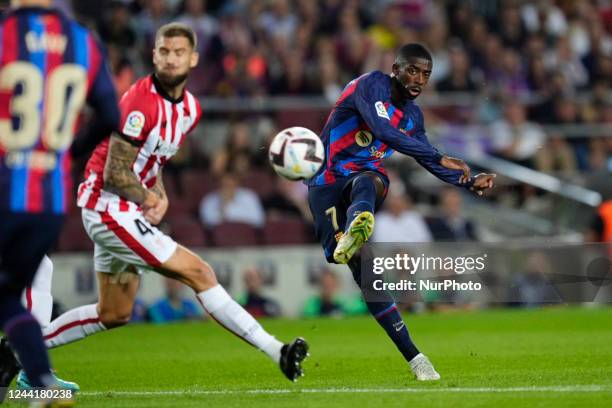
(296, 153)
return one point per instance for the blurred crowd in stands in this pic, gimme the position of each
(518, 66)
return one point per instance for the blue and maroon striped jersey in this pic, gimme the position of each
(365, 127)
(49, 67)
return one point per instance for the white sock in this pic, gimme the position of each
(234, 318)
(73, 325)
(37, 298)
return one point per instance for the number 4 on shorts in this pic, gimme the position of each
(142, 227)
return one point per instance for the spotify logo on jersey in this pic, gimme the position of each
(363, 138)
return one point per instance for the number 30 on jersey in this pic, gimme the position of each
(45, 108)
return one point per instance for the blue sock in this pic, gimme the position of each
(363, 197)
(25, 337)
(385, 312)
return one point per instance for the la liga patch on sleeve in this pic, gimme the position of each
(380, 110)
(134, 123)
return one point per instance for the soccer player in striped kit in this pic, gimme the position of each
(50, 66)
(374, 116)
(123, 198)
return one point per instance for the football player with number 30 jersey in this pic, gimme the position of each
(50, 66)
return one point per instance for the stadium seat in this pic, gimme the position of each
(234, 234)
(179, 205)
(187, 230)
(285, 231)
(73, 236)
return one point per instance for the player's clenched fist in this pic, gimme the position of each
(154, 207)
(482, 182)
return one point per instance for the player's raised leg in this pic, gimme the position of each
(190, 269)
(327, 204)
(359, 215)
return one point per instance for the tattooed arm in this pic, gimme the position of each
(159, 188)
(120, 178)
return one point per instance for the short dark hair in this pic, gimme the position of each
(177, 30)
(412, 50)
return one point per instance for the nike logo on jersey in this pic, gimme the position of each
(398, 326)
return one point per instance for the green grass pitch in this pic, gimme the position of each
(504, 358)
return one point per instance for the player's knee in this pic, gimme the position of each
(201, 276)
(114, 318)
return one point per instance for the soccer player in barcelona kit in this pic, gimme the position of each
(374, 116)
(123, 198)
(50, 66)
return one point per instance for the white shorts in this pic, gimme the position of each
(123, 239)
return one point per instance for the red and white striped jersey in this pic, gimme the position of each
(156, 124)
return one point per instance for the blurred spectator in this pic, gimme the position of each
(231, 203)
(328, 302)
(140, 312)
(598, 59)
(253, 301)
(544, 16)
(289, 198)
(352, 44)
(512, 80)
(388, 30)
(174, 306)
(293, 80)
(537, 74)
(436, 41)
(279, 20)
(459, 78)
(452, 225)
(532, 287)
(556, 156)
(193, 14)
(154, 15)
(330, 83)
(399, 222)
(565, 112)
(122, 70)
(237, 155)
(514, 138)
(115, 28)
(563, 59)
(510, 26)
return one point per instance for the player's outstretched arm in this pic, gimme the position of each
(119, 177)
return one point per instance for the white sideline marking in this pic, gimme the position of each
(562, 388)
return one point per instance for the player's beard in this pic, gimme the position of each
(401, 90)
(171, 81)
